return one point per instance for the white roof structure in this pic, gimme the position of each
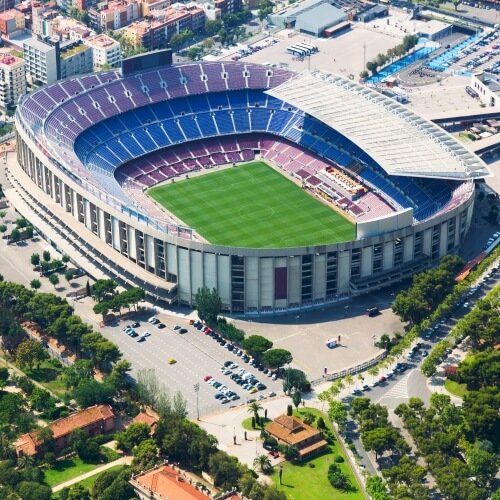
(400, 141)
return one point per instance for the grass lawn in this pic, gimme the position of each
(309, 480)
(247, 423)
(89, 482)
(459, 390)
(252, 206)
(49, 376)
(67, 469)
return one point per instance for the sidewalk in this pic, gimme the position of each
(120, 461)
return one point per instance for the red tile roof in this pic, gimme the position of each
(27, 443)
(168, 483)
(81, 419)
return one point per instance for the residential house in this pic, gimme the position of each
(291, 431)
(95, 420)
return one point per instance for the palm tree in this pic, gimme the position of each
(361, 378)
(349, 380)
(255, 408)
(263, 463)
(25, 461)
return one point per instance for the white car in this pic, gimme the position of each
(146, 334)
(153, 318)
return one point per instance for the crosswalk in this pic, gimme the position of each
(398, 391)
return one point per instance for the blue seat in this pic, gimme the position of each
(188, 125)
(206, 124)
(241, 120)
(224, 122)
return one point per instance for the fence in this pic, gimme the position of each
(350, 371)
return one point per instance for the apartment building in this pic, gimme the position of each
(105, 51)
(12, 80)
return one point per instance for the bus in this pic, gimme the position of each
(306, 48)
(312, 48)
(296, 51)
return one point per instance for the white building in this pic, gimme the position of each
(41, 61)
(105, 51)
(12, 80)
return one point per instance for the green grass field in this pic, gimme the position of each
(316, 471)
(252, 206)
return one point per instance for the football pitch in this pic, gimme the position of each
(252, 206)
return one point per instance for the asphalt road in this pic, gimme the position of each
(411, 383)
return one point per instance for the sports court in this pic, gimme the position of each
(252, 206)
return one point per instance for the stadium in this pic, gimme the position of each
(282, 191)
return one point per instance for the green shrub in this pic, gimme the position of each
(338, 459)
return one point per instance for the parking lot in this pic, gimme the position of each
(196, 356)
(344, 55)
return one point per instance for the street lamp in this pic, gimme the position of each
(196, 388)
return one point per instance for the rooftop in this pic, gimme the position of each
(76, 49)
(102, 41)
(10, 60)
(400, 141)
(64, 426)
(168, 483)
(320, 17)
(291, 430)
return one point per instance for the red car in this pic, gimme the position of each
(206, 378)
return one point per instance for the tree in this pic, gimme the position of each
(256, 345)
(91, 392)
(46, 443)
(378, 440)
(65, 258)
(263, 463)
(104, 288)
(254, 409)
(225, 470)
(69, 274)
(4, 377)
(295, 379)
(376, 488)
(101, 351)
(483, 465)
(212, 27)
(15, 234)
(35, 284)
(132, 436)
(276, 358)
(41, 400)
(46, 256)
(296, 398)
(119, 377)
(30, 352)
(145, 455)
(371, 66)
(337, 412)
(337, 478)
(3, 228)
(80, 371)
(35, 259)
(179, 405)
(78, 492)
(208, 303)
(54, 279)
(481, 369)
(21, 223)
(29, 490)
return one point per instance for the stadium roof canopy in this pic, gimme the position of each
(400, 141)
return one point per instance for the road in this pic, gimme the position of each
(412, 383)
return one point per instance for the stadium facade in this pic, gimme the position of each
(88, 148)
